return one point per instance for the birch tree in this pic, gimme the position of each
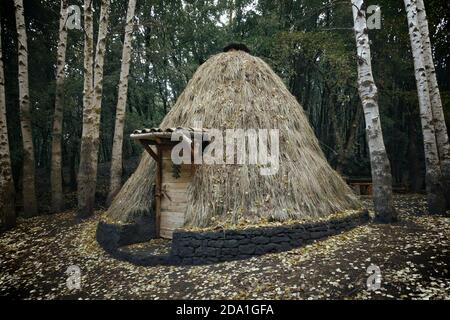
(87, 174)
(440, 127)
(116, 162)
(56, 169)
(7, 207)
(88, 58)
(368, 92)
(28, 181)
(433, 176)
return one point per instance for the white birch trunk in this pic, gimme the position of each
(7, 206)
(435, 194)
(88, 86)
(56, 169)
(440, 127)
(87, 175)
(380, 166)
(116, 162)
(28, 181)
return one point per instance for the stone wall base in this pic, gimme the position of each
(210, 247)
(193, 248)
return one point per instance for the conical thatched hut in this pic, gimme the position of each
(237, 90)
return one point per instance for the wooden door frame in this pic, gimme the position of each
(157, 156)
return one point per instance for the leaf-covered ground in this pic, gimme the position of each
(413, 257)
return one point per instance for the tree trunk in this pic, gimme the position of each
(88, 57)
(73, 155)
(337, 136)
(87, 174)
(28, 181)
(433, 176)
(368, 92)
(116, 160)
(87, 98)
(414, 167)
(7, 206)
(56, 170)
(344, 154)
(230, 12)
(440, 127)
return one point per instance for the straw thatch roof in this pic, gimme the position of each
(237, 90)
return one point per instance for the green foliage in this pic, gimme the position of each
(321, 50)
(309, 43)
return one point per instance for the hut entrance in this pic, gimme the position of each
(174, 184)
(171, 182)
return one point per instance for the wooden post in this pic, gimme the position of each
(158, 191)
(158, 159)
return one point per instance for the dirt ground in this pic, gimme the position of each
(412, 256)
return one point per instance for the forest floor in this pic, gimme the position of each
(413, 257)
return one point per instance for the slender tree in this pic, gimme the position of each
(230, 12)
(88, 85)
(87, 174)
(443, 145)
(56, 171)
(7, 207)
(28, 181)
(116, 162)
(344, 153)
(380, 166)
(433, 176)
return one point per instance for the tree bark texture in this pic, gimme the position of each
(28, 181)
(56, 164)
(116, 161)
(433, 176)
(368, 92)
(87, 174)
(7, 206)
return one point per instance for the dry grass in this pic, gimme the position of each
(237, 90)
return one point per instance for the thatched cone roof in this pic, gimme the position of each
(237, 90)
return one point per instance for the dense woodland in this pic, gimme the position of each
(309, 43)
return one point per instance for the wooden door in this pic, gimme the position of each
(175, 181)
